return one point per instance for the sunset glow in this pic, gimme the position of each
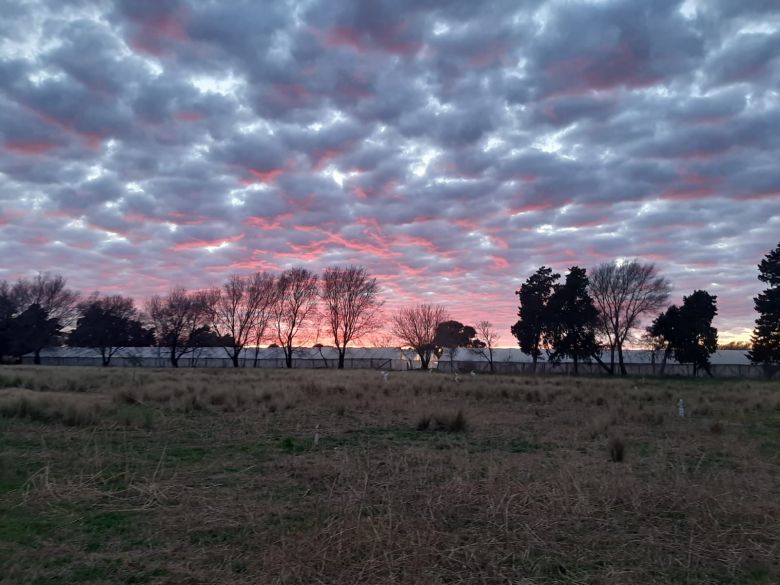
(450, 148)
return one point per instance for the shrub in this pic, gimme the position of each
(616, 450)
(443, 423)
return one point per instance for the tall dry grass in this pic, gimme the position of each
(330, 477)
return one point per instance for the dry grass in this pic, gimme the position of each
(222, 476)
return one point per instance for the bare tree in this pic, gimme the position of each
(236, 310)
(416, 327)
(489, 336)
(178, 317)
(351, 305)
(296, 304)
(623, 293)
(49, 291)
(267, 290)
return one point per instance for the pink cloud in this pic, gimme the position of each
(29, 148)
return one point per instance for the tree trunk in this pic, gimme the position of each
(605, 367)
(174, 359)
(663, 362)
(234, 358)
(611, 359)
(288, 356)
(342, 352)
(623, 371)
(533, 366)
(424, 359)
(576, 370)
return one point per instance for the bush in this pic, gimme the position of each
(443, 423)
(616, 450)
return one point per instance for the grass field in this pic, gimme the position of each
(222, 476)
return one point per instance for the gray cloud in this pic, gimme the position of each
(451, 147)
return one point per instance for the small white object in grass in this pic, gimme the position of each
(681, 408)
(430, 370)
(457, 378)
(316, 435)
(473, 373)
(385, 375)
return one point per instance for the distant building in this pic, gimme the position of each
(378, 358)
(725, 363)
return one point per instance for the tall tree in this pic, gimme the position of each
(687, 331)
(766, 335)
(351, 305)
(571, 319)
(451, 335)
(177, 317)
(534, 295)
(108, 324)
(623, 293)
(416, 328)
(239, 306)
(295, 306)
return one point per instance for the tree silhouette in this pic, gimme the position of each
(295, 306)
(32, 330)
(416, 328)
(571, 319)
(622, 294)
(242, 309)
(109, 324)
(766, 335)
(489, 337)
(451, 335)
(687, 331)
(351, 305)
(534, 295)
(177, 317)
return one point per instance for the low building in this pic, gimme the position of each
(377, 358)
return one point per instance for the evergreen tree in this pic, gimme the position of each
(32, 330)
(108, 324)
(534, 295)
(687, 331)
(766, 335)
(571, 319)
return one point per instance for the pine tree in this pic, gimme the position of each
(766, 335)
(571, 319)
(534, 295)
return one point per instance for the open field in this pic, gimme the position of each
(222, 476)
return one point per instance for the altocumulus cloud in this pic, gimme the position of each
(450, 147)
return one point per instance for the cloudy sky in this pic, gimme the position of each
(451, 147)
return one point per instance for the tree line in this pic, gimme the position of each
(593, 317)
(246, 311)
(580, 316)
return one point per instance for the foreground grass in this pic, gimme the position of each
(221, 476)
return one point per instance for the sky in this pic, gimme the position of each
(450, 147)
